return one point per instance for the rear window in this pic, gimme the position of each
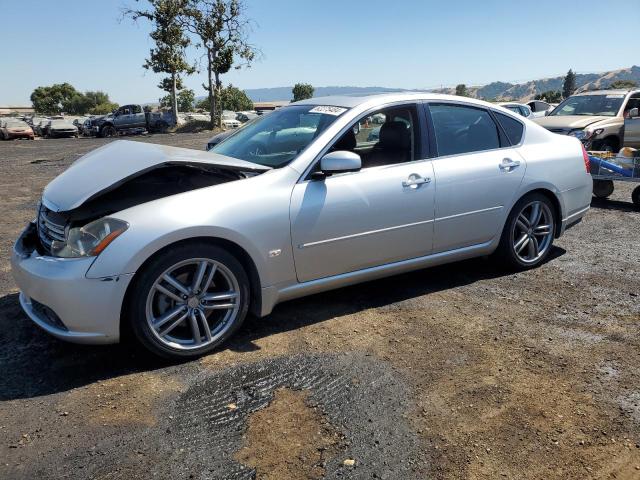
(513, 128)
(461, 129)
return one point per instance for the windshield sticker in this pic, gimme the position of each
(615, 96)
(327, 109)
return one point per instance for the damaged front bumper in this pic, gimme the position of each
(56, 294)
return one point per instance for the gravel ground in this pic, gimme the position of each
(453, 372)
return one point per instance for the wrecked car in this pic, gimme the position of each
(177, 246)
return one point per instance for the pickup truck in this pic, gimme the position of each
(596, 118)
(131, 119)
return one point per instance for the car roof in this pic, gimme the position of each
(350, 101)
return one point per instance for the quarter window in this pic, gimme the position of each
(512, 127)
(463, 129)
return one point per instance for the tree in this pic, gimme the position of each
(569, 85)
(103, 108)
(185, 99)
(550, 96)
(231, 98)
(302, 91)
(50, 100)
(461, 90)
(622, 85)
(168, 55)
(222, 29)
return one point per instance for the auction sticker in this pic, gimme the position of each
(328, 109)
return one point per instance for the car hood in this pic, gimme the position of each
(569, 121)
(109, 166)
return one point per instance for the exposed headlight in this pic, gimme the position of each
(90, 240)
(586, 134)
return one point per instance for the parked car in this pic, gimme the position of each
(131, 119)
(219, 137)
(11, 128)
(56, 128)
(519, 108)
(595, 118)
(246, 116)
(632, 128)
(122, 239)
(539, 108)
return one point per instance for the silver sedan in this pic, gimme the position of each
(180, 245)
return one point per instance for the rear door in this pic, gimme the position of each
(137, 116)
(477, 173)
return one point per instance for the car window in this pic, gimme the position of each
(137, 109)
(463, 129)
(589, 105)
(512, 127)
(276, 139)
(634, 102)
(385, 137)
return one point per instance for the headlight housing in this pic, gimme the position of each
(90, 240)
(586, 134)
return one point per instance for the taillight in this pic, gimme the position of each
(587, 163)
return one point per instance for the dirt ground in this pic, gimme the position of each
(454, 372)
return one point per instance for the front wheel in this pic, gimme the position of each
(188, 301)
(528, 233)
(109, 131)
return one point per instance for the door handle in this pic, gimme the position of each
(414, 181)
(508, 164)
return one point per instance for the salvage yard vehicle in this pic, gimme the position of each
(595, 118)
(178, 245)
(519, 108)
(57, 128)
(11, 128)
(130, 119)
(540, 108)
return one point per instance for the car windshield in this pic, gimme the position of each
(276, 139)
(605, 105)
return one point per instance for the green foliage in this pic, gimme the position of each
(221, 27)
(461, 90)
(50, 100)
(231, 98)
(550, 96)
(185, 99)
(622, 85)
(103, 108)
(65, 98)
(302, 91)
(569, 85)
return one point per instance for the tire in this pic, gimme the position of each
(162, 127)
(520, 234)
(603, 188)
(174, 334)
(610, 144)
(109, 131)
(635, 196)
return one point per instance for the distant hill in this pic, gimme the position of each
(526, 91)
(492, 91)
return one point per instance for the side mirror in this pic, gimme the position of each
(340, 162)
(633, 113)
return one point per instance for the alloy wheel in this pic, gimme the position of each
(193, 303)
(532, 232)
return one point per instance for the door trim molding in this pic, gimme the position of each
(473, 212)
(363, 234)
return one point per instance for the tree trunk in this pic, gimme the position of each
(218, 100)
(212, 97)
(174, 98)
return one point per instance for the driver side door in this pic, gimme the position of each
(378, 215)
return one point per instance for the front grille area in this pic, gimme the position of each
(51, 226)
(563, 131)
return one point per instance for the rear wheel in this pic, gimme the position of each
(602, 188)
(188, 301)
(528, 233)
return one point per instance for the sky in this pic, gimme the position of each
(383, 43)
